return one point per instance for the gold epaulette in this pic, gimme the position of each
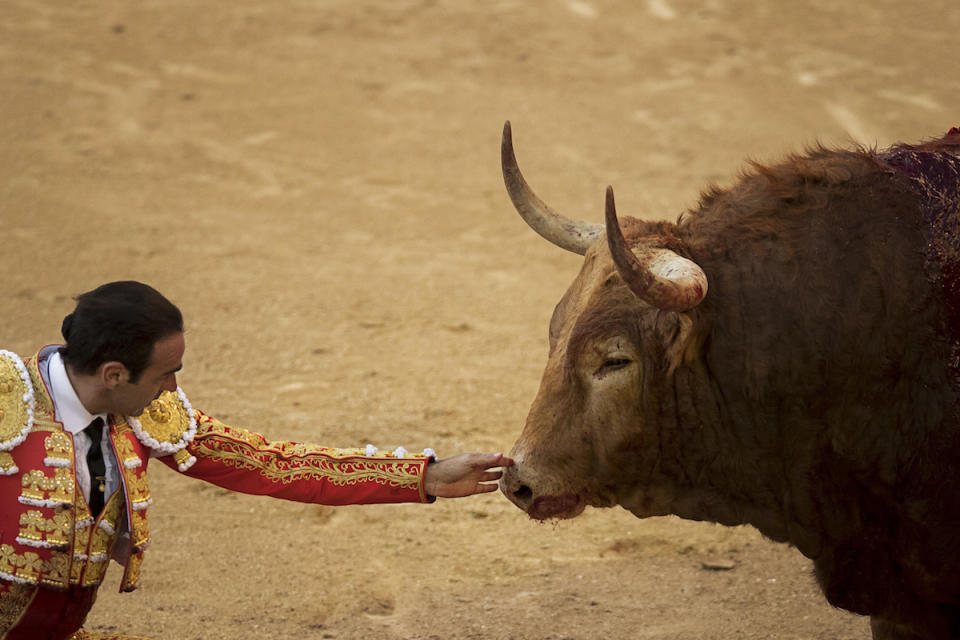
(16, 401)
(167, 426)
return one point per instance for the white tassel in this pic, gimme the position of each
(12, 578)
(40, 544)
(142, 505)
(186, 465)
(33, 502)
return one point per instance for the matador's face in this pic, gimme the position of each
(131, 398)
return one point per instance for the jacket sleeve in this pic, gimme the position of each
(244, 461)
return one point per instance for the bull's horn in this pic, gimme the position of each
(571, 235)
(659, 277)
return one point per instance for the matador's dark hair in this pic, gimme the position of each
(118, 321)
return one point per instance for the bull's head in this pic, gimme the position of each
(618, 333)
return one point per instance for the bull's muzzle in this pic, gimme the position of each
(537, 505)
(514, 489)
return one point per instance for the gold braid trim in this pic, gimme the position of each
(43, 403)
(287, 462)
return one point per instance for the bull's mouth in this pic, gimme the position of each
(538, 501)
(562, 507)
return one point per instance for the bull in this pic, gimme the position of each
(785, 355)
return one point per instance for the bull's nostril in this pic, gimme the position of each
(523, 494)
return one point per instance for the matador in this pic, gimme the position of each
(63, 517)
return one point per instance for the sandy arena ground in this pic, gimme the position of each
(317, 185)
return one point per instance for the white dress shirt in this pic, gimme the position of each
(75, 419)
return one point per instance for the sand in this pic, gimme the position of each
(317, 186)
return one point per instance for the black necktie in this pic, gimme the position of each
(95, 465)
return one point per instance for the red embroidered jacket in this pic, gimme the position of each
(47, 536)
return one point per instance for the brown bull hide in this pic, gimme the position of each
(812, 393)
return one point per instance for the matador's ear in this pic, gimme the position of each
(112, 374)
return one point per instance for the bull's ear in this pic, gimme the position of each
(678, 334)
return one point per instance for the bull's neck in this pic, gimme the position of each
(716, 460)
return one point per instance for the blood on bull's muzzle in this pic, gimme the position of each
(519, 488)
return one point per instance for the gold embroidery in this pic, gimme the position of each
(42, 404)
(13, 404)
(31, 567)
(131, 575)
(125, 452)
(14, 601)
(52, 532)
(42, 423)
(212, 425)
(288, 462)
(140, 534)
(59, 448)
(81, 541)
(102, 537)
(166, 420)
(137, 488)
(39, 487)
(6, 463)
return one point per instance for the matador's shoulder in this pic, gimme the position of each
(167, 426)
(16, 401)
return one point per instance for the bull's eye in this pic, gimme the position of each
(610, 365)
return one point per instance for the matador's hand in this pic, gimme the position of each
(464, 475)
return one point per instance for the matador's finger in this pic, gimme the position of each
(490, 460)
